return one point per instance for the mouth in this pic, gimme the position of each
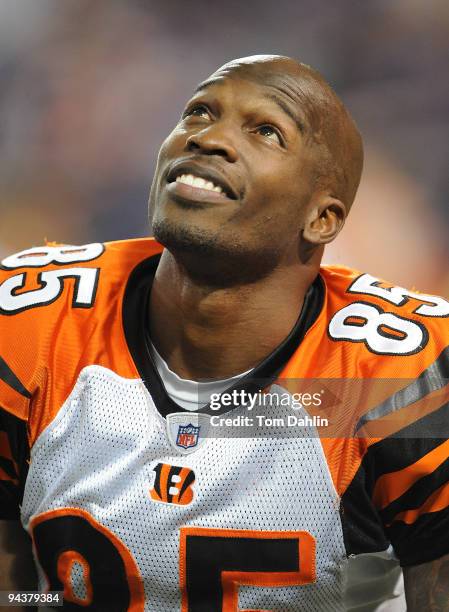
(195, 182)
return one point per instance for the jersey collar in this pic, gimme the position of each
(136, 327)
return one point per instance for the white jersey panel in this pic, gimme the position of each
(99, 455)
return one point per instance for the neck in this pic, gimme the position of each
(209, 332)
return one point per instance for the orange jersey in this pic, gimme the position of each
(134, 503)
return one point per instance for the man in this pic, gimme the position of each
(130, 500)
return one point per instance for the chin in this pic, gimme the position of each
(213, 258)
(179, 236)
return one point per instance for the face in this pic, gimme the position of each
(235, 177)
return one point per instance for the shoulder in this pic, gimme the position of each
(384, 319)
(52, 300)
(61, 261)
(119, 257)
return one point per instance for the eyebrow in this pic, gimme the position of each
(288, 111)
(207, 83)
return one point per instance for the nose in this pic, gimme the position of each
(214, 140)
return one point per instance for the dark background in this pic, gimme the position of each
(88, 91)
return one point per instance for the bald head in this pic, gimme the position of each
(324, 120)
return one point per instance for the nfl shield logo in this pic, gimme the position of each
(183, 431)
(187, 436)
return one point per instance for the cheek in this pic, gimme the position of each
(276, 186)
(276, 203)
(169, 148)
(174, 142)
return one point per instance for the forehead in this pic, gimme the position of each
(266, 76)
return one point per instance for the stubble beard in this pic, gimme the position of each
(215, 260)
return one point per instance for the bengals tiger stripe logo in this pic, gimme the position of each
(173, 484)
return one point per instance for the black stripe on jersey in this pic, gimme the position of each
(418, 493)
(425, 540)
(405, 447)
(8, 376)
(363, 531)
(435, 377)
(11, 495)
(136, 326)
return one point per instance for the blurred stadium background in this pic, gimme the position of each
(88, 91)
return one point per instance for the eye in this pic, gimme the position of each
(199, 110)
(268, 131)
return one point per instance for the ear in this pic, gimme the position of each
(324, 220)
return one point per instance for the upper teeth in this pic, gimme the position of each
(196, 181)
